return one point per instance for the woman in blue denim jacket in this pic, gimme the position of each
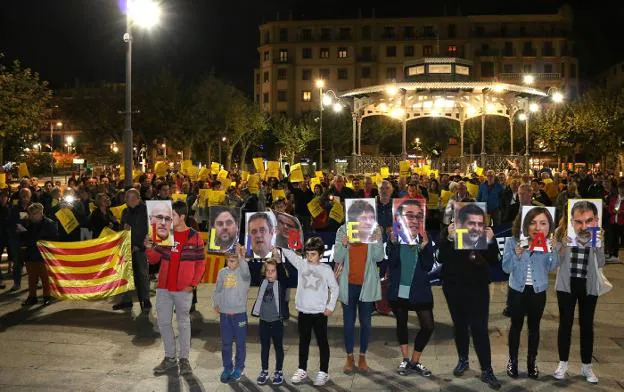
(528, 266)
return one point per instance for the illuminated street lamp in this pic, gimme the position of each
(146, 14)
(528, 79)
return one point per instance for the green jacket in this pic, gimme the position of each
(371, 288)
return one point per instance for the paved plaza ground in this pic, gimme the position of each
(85, 346)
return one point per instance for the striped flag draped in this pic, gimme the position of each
(92, 269)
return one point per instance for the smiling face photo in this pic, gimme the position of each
(537, 221)
(409, 219)
(260, 234)
(160, 221)
(470, 223)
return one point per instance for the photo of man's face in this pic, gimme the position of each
(475, 225)
(410, 216)
(285, 224)
(226, 230)
(161, 219)
(582, 220)
(260, 232)
(471, 218)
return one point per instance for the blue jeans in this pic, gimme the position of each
(349, 312)
(233, 327)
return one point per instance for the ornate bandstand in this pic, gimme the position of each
(442, 87)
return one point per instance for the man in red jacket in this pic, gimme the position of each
(181, 270)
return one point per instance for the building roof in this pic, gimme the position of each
(475, 87)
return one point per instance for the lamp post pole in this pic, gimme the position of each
(321, 128)
(127, 134)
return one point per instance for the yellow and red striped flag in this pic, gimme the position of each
(92, 269)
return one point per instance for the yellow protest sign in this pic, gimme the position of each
(296, 166)
(244, 175)
(315, 207)
(337, 212)
(384, 172)
(23, 170)
(203, 197)
(160, 168)
(404, 168)
(253, 183)
(445, 197)
(314, 182)
(92, 207)
(259, 165)
(479, 171)
(436, 173)
(278, 193)
(204, 173)
(426, 169)
(214, 168)
(179, 197)
(185, 165)
(216, 197)
(117, 211)
(3, 183)
(233, 183)
(222, 175)
(67, 219)
(296, 175)
(349, 185)
(472, 189)
(225, 184)
(106, 231)
(273, 169)
(192, 171)
(318, 174)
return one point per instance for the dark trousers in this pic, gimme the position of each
(530, 304)
(272, 331)
(587, 306)
(308, 323)
(18, 261)
(141, 277)
(614, 238)
(469, 307)
(401, 308)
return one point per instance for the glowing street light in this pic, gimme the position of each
(522, 117)
(528, 79)
(391, 90)
(144, 13)
(320, 83)
(327, 100)
(557, 97)
(499, 88)
(337, 107)
(534, 108)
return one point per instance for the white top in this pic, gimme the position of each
(529, 277)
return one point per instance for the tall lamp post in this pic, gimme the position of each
(320, 84)
(144, 13)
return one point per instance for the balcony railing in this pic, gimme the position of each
(538, 76)
(508, 53)
(532, 52)
(486, 52)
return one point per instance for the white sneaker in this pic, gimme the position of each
(299, 376)
(321, 379)
(561, 371)
(588, 373)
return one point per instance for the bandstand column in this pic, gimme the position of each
(483, 131)
(511, 135)
(461, 138)
(354, 117)
(404, 139)
(359, 135)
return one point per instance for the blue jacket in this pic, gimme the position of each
(491, 196)
(541, 264)
(420, 290)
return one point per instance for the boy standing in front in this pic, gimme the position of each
(230, 301)
(317, 293)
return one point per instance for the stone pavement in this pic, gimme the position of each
(85, 346)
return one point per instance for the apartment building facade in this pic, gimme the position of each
(356, 53)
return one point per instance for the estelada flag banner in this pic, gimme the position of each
(88, 270)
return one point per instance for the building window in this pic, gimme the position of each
(388, 32)
(487, 69)
(479, 31)
(342, 53)
(266, 76)
(573, 70)
(257, 99)
(283, 35)
(452, 31)
(527, 49)
(306, 74)
(265, 97)
(306, 96)
(367, 53)
(408, 32)
(266, 37)
(283, 55)
(344, 33)
(282, 74)
(508, 68)
(325, 34)
(366, 32)
(390, 51)
(451, 50)
(548, 49)
(324, 53)
(563, 69)
(343, 74)
(306, 35)
(306, 53)
(366, 72)
(266, 55)
(427, 50)
(391, 73)
(429, 32)
(282, 96)
(508, 50)
(257, 78)
(526, 68)
(324, 73)
(408, 51)
(548, 68)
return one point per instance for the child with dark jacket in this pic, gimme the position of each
(272, 307)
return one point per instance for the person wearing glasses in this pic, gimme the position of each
(134, 218)
(409, 218)
(160, 222)
(286, 223)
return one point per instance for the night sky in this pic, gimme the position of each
(69, 41)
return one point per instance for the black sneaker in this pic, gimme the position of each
(488, 377)
(512, 368)
(146, 305)
(404, 367)
(462, 366)
(122, 305)
(47, 300)
(506, 312)
(192, 310)
(30, 301)
(419, 369)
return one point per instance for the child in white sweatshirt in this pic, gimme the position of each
(317, 292)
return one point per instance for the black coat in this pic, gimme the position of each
(98, 221)
(46, 230)
(136, 218)
(420, 288)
